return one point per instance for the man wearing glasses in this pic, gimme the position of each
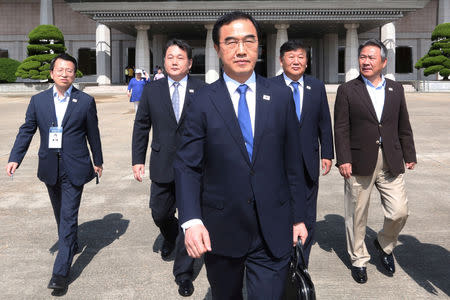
(238, 173)
(66, 119)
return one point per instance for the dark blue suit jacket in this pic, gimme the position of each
(155, 110)
(315, 124)
(217, 183)
(79, 124)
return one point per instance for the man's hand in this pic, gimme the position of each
(299, 231)
(129, 93)
(197, 240)
(138, 171)
(98, 170)
(346, 170)
(11, 168)
(410, 165)
(326, 166)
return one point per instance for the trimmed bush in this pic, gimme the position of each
(8, 69)
(437, 60)
(45, 33)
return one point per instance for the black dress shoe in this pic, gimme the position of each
(359, 274)
(167, 249)
(185, 288)
(58, 282)
(387, 260)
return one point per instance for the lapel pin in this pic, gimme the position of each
(74, 100)
(391, 89)
(266, 97)
(191, 91)
(308, 87)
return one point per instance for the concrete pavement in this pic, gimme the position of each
(120, 258)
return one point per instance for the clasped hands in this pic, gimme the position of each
(197, 239)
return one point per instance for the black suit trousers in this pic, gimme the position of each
(65, 198)
(163, 207)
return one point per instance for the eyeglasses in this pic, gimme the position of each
(61, 71)
(232, 44)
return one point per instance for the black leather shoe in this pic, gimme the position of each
(58, 282)
(387, 260)
(185, 288)
(359, 274)
(167, 249)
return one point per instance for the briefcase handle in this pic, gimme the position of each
(299, 256)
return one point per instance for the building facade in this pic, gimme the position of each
(106, 36)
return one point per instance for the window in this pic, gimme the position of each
(4, 53)
(198, 61)
(341, 60)
(87, 61)
(403, 60)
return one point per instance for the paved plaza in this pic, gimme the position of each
(120, 257)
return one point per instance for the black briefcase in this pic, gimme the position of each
(299, 285)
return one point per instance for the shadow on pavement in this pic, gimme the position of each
(427, 264)
(93, 236)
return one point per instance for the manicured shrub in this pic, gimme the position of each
(8, 69)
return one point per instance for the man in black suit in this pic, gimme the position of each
(163, 107)
(374, 142)
(313, 113)
(238, 173)
(66, 118)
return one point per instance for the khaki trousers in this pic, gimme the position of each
(357, 197)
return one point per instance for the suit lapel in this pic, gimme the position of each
(51, 104)
(307, 98)
(187, 99)
(263, 98)
(165, 97)
(365, 97)
(222, 102)
(70, 106)
(388, 101)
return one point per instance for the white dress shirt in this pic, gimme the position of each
(301, 84)
(181, 90)
(250, 95)
(61, 104)
(377, 94)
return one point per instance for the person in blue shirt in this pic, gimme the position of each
(135, 87)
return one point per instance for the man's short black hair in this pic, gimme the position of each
(183, 45)
(227, 19)
(64, 56)
(291, 45)
(376, 43)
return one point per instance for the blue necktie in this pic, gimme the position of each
(244, 120)
(176, 101)
(296, 98)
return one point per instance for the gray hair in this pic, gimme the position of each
(376, 43)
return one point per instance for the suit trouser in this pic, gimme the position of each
(265, 274)
(357, 197)
(65, 198)
(163, 207)
(312, 188)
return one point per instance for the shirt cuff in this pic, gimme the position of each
(188, 224)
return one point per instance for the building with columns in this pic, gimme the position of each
(106, 36)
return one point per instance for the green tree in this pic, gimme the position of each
(8, 68)
(45, 43)
(437, 60)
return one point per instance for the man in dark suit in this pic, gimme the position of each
(374, 141)
(66, 118)
(163, 106)
(238, 173)
(313, 113)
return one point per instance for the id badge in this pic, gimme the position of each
(55, 138)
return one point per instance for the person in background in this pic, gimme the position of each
(159, 74)
(136, 86)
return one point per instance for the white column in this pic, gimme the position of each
(444, 11)
(272, 54)
(388, 38)
(212, 67)
(351, 52)
(331, 56)
(158, 44)
(46, 16)
(142, 48)
(282, 37)
(103, 50)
